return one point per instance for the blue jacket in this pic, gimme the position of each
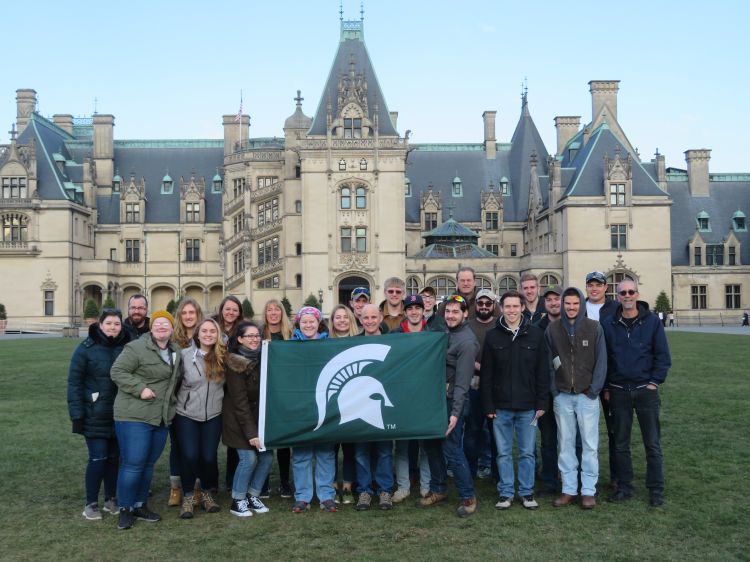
(639, 355)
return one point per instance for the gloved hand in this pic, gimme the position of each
(78, 426)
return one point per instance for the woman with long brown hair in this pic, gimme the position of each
(198, 421)
(228, 317)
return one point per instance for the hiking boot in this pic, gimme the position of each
(620, 496)
(110, 506)
(467, 507)
(300, 507)
(208, 504)
(363, 503)
(285, 490)
(588, 502)
(175, 497)
(329, 506)
(529, 502)
(145, 514)
(91, 512)
(241, 508)
(504, 502)
(564, 500)
(126, 519)
(256, 505)
(424, 492)
(431, 499)
(386, 501)
(197, 495)
(400, 495)
(188, 505)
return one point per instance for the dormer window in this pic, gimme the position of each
(14, 188)
(457, 187)
(217, 183)
(703, 222)
(617, 194)
(352, 128)
(116, 184)
(407, 187)
(342, 165)
(363, 165)
(504, 186)
(167, 185)
(739, 222)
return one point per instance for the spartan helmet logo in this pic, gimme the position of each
(342, 375)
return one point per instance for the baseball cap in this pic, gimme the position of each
(428, 291)
(552, 289)
(487, 294)
(360, 292)
(596, 276)
(413, 300)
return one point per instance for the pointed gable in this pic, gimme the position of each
(525, 144)
(352, 62)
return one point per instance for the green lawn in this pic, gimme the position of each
(706, 439)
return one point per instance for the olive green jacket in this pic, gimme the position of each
(139, 366)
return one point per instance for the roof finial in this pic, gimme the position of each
(341, 10)
(362, 10)
(13, 133)
(96, 105)
(524, 91)
(299, 98)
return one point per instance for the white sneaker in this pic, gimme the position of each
(91, 512)
(504, 502)
(400, 495)
(256, 505)
(529, 502)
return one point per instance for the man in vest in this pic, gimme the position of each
(578, 354)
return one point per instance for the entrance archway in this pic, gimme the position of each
(348, 284)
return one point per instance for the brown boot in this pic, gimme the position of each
(175, 497)
(431, 499)
(198, 495)
(467, 507)
(564, 500)
(588, 502)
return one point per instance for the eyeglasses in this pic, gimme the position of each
(394, 291)
(629, 292)
(251, 336)
(137, 308)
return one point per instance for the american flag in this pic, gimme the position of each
(238, 117)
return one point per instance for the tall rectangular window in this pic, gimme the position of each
(132, 251)
(113, 254)
(491, 220)
(361, 239)
(193, 249)
(714, 254)
(238, 187)
(298, 280)
(731, 255)
(698, 299)
(132, 212)
(238, 261)
(238, 222)
(733, 296)
(268, 250)
(617, 194)
(513, 250)
(697, 256)
(192, 212)
(49, 303)
(298, 249)
(346, 239)
(430, 221)
(619, 236)
(268, 211)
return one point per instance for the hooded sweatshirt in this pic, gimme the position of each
(578, 352)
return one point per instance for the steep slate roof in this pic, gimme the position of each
(152, 160)
(525, 141)
(588, 177)
(352, 44)
(725, 198)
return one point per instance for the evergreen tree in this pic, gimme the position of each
(247, 309)
(312, 300)
(108, 303)
(662, 303)
(172, 306)
(287, 306)
(90, 310)
(3, 313)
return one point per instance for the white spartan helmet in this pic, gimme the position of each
(342, 375)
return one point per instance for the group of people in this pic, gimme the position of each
(523, 360)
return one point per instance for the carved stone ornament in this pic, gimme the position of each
(354, 261)
(48, 284)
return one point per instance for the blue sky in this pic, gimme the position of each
(171, 70)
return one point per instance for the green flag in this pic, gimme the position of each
(356, 389)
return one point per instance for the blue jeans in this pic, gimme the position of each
(141, 444)
(251, 472)
(577, 413)
(104, 461)
(383, 466)
(198, 442)
(401, 463)
(506, 423)
(325, 471)
(451, 451)
(646, 404)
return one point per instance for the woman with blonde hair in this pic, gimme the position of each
(343, 324)
(197, 422)
(186, 318)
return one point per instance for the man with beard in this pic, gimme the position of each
(137, 323)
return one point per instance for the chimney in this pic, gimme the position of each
(394, 119)
(567, 127)
(697, 168)
(64, 121)
(489, 134)
(604, 93)
(25, 106)
(232, 131)
(661, 170)
(104, 149)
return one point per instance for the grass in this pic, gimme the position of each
(706, 440)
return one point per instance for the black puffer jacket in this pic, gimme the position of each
(91, 392)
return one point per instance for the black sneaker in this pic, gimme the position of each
(241, 508)
(620, 496)
(145, 514)
(265, 493)
(126, 519)
(285, 490)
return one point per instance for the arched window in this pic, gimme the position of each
(361, 199)
(412, 285)
(483, 283)
(506, 284)
(613, 279)
(15, 227)
(547, 280)
(346, 198)
(444, 286)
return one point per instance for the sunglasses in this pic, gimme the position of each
(394, 291)
(456, 298)
(484, 304)
(361, 291)
(629, 292)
